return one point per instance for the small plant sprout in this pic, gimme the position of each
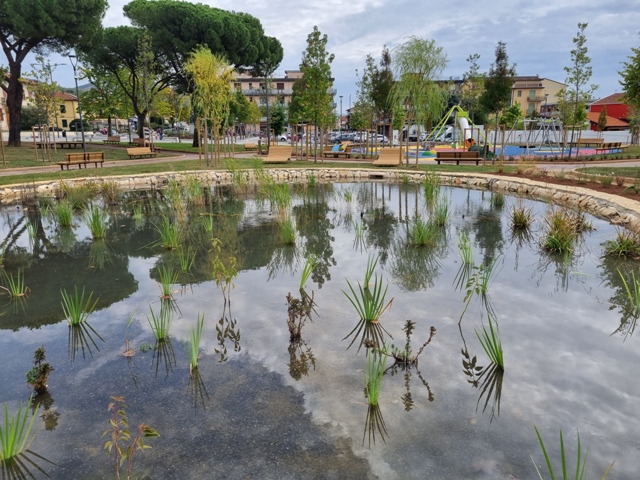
(168, 277)
(15, 431)
(489, 338)
(373, 372)
(119, 432)
(186, 257)
(580, 472)
(38, 376)
(14, 286)
(369, 302)
(464, 248)
(161, 323)
(405, 356)
(193, 345)
(310, 265)
(76, 308)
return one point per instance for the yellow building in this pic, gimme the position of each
(536, 96)
(280, 87)
(66, 110)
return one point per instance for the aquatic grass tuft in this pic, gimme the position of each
(632, 291)
(490, 340)
(76, 309)
(521, 216)
(193, 345)
(423, 232)
(160, 323)
(186, 258)
(310, 265)
(96, 220)
(62, 212)
(625, 245)
(15, 432)
(170, 233)
(497, 200)
(431, 186)
(560, 232)
(358, 229)
(369, 302)
(288, 232)
(440, 213)
(137, 212)
(464, 248)
(110, 192)
(14, 285)
(373, 372)
(168, 277)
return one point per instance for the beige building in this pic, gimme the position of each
(536, 96)
(280, 88)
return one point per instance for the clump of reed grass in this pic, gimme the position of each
(521, 216)
(193, 345)
(312, 181)
(497, 200)
(15, 432)
(110, 192)
(137, 212)
(632, 291)
(606, 181)
(14, 286)
(423, 232)
(170, 233)
(160, 323)
(310, 265)
(62, 213)
(80, 195)
(288, 232)
(76, 308)
(358, 229)
(464, 248)
(440, 213)
(560, 232)
(168, 277)
(431, 185)
(369, 302)
(489, 338)
(207, 221)
(96, 220)
(373, 372)
(194, 191)
(186, 257)
(625, 245)
(580, 471)
(348, 195)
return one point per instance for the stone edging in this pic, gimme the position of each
(617, 210)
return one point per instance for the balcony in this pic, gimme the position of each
(272, 91)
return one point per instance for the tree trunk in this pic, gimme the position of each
(141, 117)
(15, 94)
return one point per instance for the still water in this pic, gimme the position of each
(260, 407)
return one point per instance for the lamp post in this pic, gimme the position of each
(74, 63)
(55, 110)
(341, 116)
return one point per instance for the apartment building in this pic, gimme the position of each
(280, 87)
(536, 96)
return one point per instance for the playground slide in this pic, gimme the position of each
(465, 130)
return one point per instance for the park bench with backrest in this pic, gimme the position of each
(80, 159)
(454, 156)
(112, 139)
(141, 152)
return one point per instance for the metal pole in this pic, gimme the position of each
(266, 95)
(75, 76)
(55, 110)
(341, 115)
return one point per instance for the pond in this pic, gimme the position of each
(258, 406)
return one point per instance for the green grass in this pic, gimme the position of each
(193, 345)
(560, 232)
(168, 277)
(15, 432)
(160, 323)
(464, 248)
(186, 258)
(96, 220)
(369, 302)
(423, 232)
(431, 185)
(440, 213)
(14, 286)
(521, 216)
(310, 265)
(625, 245)
(373, 372)
(62, 212)
(632, 291)
(170, 233)
(76, 309)
(489, 338)
(288, 232)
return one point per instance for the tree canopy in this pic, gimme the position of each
(630, 82)
(27, 25)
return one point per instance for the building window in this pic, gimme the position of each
(250, 86)
(531, 109)
(64, 123)
(532, 94)
(280, 86)
(519, 93)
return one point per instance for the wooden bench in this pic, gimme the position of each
(81, 159)
(330, 152)
(114, 140)
(278, 154)
(608, 146)
(588, 142)
(452, 156)
(251, 146)
(141, 152)
(389, 157)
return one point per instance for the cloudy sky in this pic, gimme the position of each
(538, 34)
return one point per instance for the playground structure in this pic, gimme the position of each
(466, 133)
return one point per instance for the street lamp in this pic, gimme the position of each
(55, 110)
(74, 63)
(341, 115)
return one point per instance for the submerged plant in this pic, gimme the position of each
(15, 286)
(490, 340)
(193, 345)
(373, 372)
(310, 265)
(369, 302)
(38, 376)
(119, 432)
(76, 308)
(15, 431)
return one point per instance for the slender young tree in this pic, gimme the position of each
(498, 85)
(105, 99)
(578, 91)
(602, 119)
(630, 82)
(316, 97)
(28, 25)
(473, 86)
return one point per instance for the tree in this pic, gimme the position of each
(105, 99)
(382, 83)
(27, 25)
(630, 82)
(278, 118)
(602, 119)
(498, 85)
(43, 91)
(316, 98)
(418, 63)
(512, 115)
(578, 92)
(472, 88)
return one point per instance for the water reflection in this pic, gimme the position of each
(620, 276)
(227, 329)
(81, 337)
(23, 466)
(163, 355)
(197, 389)
(374, 424)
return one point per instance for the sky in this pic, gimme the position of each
(538, 35)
